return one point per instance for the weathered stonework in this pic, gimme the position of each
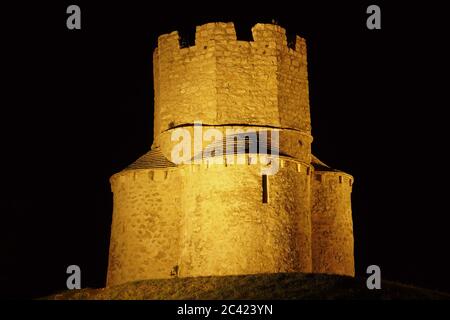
(221, 80)
(212, 219)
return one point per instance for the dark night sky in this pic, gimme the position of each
(78, 107)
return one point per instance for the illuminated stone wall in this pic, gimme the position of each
(332, 226)
(145, 228)
(165, 219)
(221, 80)
(211, 219)
(227, 229)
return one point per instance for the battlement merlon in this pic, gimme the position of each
(269, 36)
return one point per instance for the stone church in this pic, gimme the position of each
(215, 215)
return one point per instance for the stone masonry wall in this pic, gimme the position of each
(332, 227)
(145, 226)
(227, 229)
(210, 220)
(221, 80)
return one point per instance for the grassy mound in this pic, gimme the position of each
(261, 286)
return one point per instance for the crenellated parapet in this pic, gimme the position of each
(221, 80)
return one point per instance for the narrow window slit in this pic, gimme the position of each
(265, 189)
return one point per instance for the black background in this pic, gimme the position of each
(77, 107)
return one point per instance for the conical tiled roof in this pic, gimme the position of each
(152, 159)
(320, 166)
(240, 143)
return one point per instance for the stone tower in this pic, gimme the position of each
(226, 217)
